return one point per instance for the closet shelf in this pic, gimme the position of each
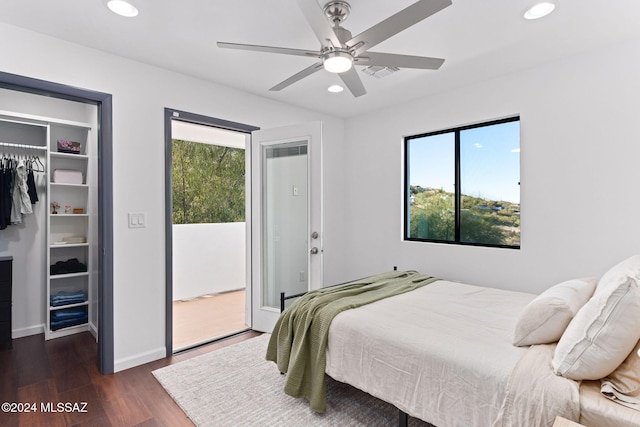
(69, 245)
(68, 155)
(61, 331)
(59, 184)
(60, 307)
(65, 276)
(69, 215)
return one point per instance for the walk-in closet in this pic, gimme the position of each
(49, 214)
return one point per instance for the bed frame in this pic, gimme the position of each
(403, 417)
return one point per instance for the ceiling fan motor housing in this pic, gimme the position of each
(343, 35)
(337, 11)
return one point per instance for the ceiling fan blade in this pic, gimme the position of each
(270, 49)
(353, 82)
(319, 23)
(298, 76)
(400, 61)
(397, 23)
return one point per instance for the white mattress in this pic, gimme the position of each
(453, 374)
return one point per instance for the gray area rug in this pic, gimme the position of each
(236, 386)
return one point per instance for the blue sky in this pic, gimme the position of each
(490, 159)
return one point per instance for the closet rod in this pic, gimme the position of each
(30, 147)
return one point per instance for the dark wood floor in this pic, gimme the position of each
(65, 370)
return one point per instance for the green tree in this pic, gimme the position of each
(432, 216)
(480, 229)
(208, 183)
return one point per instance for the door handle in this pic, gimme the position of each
(314, 250)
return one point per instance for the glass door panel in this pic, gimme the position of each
(285, 214)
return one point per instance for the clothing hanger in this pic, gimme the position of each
(41, 167)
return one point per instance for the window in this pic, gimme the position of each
(462, 185)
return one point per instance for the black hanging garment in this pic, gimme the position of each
(31, 186)
(6, 193)
(3, 199)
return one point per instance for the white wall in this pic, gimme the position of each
(579, 174)
(140, 94)
(208, 259)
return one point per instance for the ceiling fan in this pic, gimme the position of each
(339, 50)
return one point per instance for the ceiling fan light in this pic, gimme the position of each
(539, 10)
(335, 88)
(122, 8)
(338, 62)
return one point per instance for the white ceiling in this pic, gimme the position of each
(480, 39)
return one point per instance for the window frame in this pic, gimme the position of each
(457, 185)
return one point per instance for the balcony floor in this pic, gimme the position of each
(208, 317)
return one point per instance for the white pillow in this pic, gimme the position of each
(545, 318)
(606, 328)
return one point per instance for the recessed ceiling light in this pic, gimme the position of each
(539, 10)
(335, 88)
(122, 8)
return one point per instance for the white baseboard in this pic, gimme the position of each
(139, 359)
(119, 365)
(28, 331)
(94, 330)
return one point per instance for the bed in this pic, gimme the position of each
(444, 353)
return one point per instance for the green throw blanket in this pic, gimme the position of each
(299, 339)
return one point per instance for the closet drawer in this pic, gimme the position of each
(5, 332)
(5, 291)
(5, 271)
(5, 311)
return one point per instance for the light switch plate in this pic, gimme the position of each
(137, 220)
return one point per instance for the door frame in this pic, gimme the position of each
(104, 103)
(169, 115)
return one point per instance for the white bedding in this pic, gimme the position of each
(596, 410)
(390, 350)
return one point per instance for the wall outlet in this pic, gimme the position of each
(303, 276)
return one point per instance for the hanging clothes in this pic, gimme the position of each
(21, 200)
(31, 187)
(25, 199)
(18, 191)
(6, 189)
